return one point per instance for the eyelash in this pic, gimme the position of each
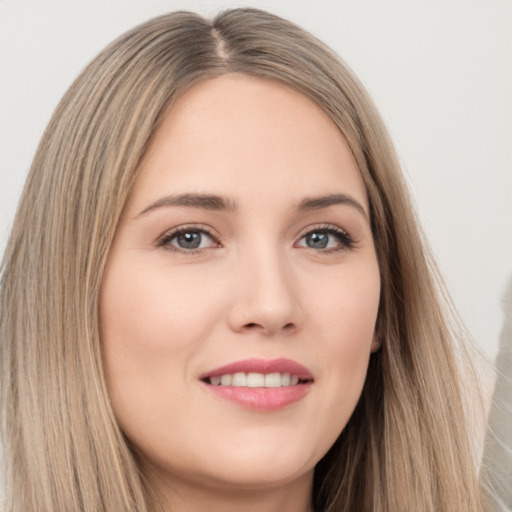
(166, 239)
(346, 242)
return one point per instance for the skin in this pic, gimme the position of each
(256, 287)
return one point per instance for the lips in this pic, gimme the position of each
(260, 384)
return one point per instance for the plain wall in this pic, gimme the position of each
(439, 71)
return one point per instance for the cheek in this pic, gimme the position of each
(346, 308)
(152, 324)
(346, 315)
(152, 310)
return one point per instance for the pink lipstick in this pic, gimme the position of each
(260, 384)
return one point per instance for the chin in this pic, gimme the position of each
(261, 466)
(256, 476)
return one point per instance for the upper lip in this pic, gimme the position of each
(266, 366)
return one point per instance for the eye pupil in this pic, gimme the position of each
(317, 240)
(189, 240)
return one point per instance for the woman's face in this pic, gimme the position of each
(240, 297)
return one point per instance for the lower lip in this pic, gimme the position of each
(262, 399)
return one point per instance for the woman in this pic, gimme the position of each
(216, 295)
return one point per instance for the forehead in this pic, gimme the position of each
(235, 134)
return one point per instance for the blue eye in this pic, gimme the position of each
(329, 238)
(188, 239)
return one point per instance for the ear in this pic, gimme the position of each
(375, 343)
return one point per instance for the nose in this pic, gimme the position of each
(266, 298)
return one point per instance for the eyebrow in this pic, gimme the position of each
(218, 203)
(317, 203)
(204, 201)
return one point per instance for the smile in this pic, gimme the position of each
(260, 384)
(255, 380)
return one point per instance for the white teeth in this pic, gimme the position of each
(255, 380)
(215, 381)
(273, 380)
(226, 380)
(239, 380)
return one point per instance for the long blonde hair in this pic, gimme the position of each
(406, 446)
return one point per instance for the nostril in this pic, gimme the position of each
(255, 326)
(269, 327)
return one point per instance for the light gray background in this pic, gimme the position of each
(440, 72)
